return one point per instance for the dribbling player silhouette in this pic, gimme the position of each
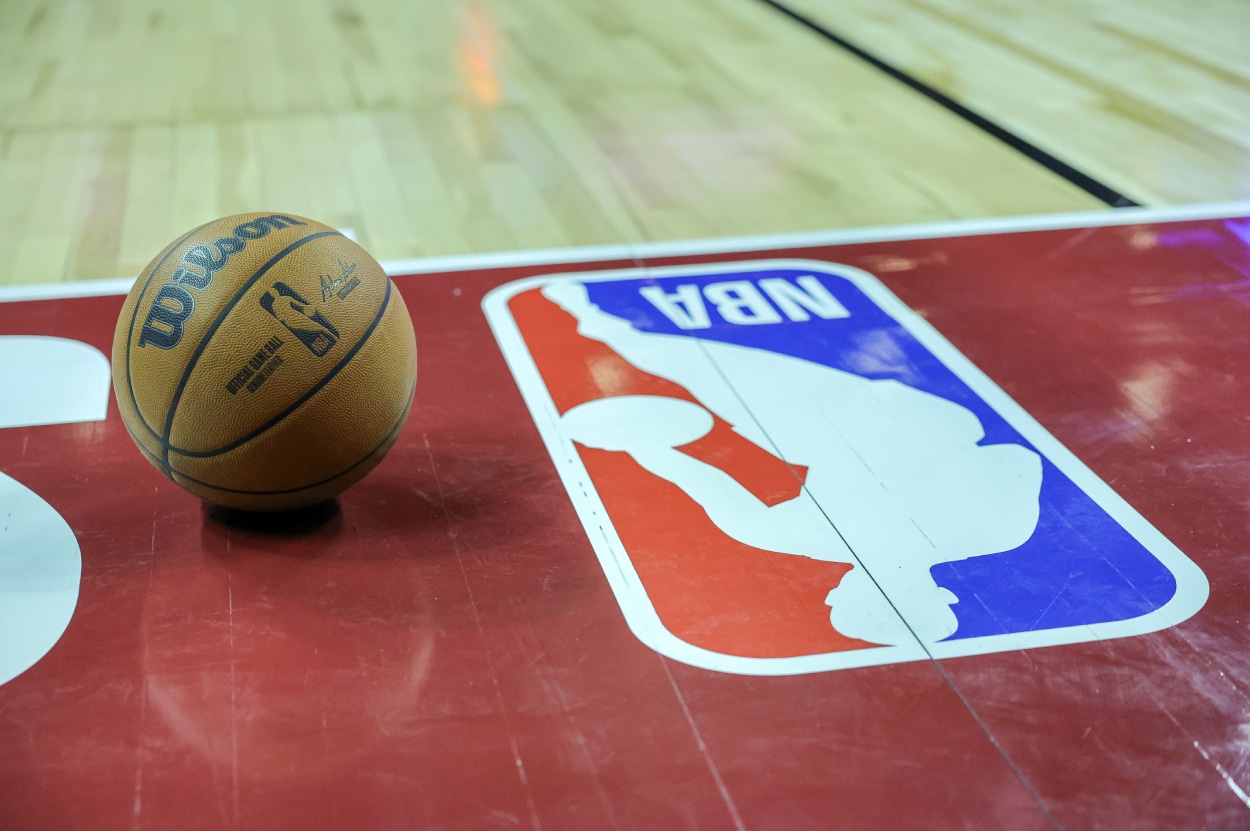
(896, 479)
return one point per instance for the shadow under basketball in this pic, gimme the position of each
(297, 522)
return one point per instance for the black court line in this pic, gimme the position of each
(1083, 181)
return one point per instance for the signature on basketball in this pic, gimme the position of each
(340, 286)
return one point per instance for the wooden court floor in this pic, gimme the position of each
(459, 127)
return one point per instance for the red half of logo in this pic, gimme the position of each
(707, 589)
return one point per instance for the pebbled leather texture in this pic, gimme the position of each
(264, 362)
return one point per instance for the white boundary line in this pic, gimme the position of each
(811, 239)
(720, 245)
(56, 291)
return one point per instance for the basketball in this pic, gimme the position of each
(264, 362)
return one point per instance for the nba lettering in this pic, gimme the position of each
(740, 302)
(785, 470)
(173, 304)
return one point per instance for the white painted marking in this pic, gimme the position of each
(56, 291)
(42, 381)
(806, 296)
(721, 245)
(51, 381)
(740, 303)
(1228, 780)
(684, 307)
(40, 567)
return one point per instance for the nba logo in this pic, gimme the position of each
(783, 470)
(291, 310)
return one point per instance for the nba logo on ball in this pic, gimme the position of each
(783, 469)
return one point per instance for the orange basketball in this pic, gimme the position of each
(264, 362)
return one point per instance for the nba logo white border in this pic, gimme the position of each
(1192, 588)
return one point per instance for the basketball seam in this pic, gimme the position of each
(327, 378)
(212, 330)
(134, 315)
(399, 422)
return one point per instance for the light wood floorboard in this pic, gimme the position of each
(437, 128)
(1151, 97)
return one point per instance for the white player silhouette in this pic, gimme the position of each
(896, 481)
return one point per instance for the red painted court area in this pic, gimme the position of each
(442, 648)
